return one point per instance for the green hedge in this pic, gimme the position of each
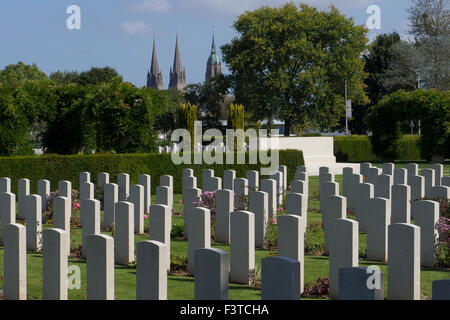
(359, 149)
(56, 168)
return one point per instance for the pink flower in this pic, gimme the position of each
(272, 221)
(318, 187)
(145, 216)
(76, 206)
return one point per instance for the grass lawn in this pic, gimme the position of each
(182, 287)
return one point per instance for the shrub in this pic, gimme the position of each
(319, 289)
(359, 149)
(178, 264)
(177, 231)
(432, 107)
(57, 167)
(442, 247)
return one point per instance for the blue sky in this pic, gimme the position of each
(119, 33)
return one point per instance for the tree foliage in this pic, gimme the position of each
(432, 107)
(290, 63)
(17, 73)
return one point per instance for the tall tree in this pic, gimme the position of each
(429, 22)
(291, 63)
(16, 73)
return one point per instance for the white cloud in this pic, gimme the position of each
(137, 27)
(152, 6)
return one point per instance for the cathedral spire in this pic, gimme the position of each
(154, 77)
(213, 65)
(177, 74)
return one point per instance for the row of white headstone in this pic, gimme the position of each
(242, 234)
(384, 210)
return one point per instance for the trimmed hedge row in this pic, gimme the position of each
(56, 168)
(359, 149)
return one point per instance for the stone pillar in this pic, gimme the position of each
(123, 180)
(199, 234)
(280, 279)
(90, 214)
(438, 173)
(258, 205)
(111, 198)
(364, 168)
(54, 269)
(428, 174)
(388, 168)
(377, 229)
(211, 274)
(164, 196)
(252, 177)
(278, 177)
(7, 211)
(346, 181)
(151, 271)
(401, 204)
(228, 179)
(206, 174)
(441, 289)
(100, 267)
(383, 186)
(160, 228)
(187, 172)
(62, 209)
(85, 177)
(404, 262)
(446, 181)
(284, 169)
(440, 192)
(334, 207)
(373, 173)
(33, 211)
(224, 206)
(400, 176)
(343, 250)
(426, 215)
(269, 186)
(213, 184)
(23, 192)
(298, 186)
(297, 204)
(86, 191)
(363, 196)
(166, 181)
(124, 233)
(242, 247)
(291, 240)
(354, 284)
(5, 185)
(137, 199)
(327, 189)
(145, 181)
(190, 196)
(412, 169)
(189, 182)
(417, 184)
(353, 191)
(102, 179)
(65, 189)
(43, 192)
(14, 262)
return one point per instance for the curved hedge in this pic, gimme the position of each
(57, 167)
(359, 149)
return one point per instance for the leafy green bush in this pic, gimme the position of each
(57, 167)
(432, 107)
(359, 149)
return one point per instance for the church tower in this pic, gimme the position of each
(213, 66)
(177, 73)
(154, 77)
